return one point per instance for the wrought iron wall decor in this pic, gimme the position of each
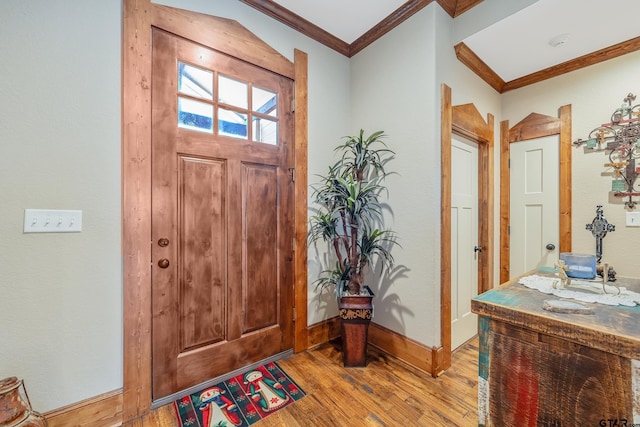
(599, 228)
(621, 139)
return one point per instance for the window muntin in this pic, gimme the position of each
(229, 112)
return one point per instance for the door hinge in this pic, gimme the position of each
(509, 230)
(509, 160)
(294, 314)
(293, 244)
(292, 172)
(293, 105)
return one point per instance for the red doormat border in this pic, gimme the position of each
(242, 400)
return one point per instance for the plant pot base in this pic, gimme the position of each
(354, 352)
(355, 315)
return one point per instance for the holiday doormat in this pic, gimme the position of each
(242, 400)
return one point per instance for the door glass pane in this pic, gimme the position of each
(232, 123)
(264, 102)
(195, 81)
(232, 92)
(195, 115)
(265, 130)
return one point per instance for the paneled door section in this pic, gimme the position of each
(464, 239)
(534, 204)
(222, 214)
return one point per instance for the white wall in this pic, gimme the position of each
(396, 88)
(468, 88)
(484, 14)
(61, 294)
(392, 90)
(594, 93)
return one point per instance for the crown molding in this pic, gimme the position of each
(475, 64)
(299, 24)
(457, 7)
(404, 12)
(464, 54)
(398, 16)
(593, 58)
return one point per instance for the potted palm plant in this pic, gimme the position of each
(348, 216)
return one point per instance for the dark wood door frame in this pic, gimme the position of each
(231, 38)
(535, 126)
(466, 121)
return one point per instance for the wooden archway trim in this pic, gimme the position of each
(535, 126)
(229, 37)
(221, 34)
(466, 121)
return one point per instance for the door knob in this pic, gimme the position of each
(163, 263)
(551, 247)
(163, 242)
(477, 249)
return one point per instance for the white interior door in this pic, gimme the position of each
(534, 204)
(464, 239)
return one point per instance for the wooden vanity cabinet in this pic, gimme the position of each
(541, 368)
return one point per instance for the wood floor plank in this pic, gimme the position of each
(386, 393)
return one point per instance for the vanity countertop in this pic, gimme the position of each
(614, 329)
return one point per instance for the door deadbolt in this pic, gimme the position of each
(163, 242)
(477, 249)
(163, 263)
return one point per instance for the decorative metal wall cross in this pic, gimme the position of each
(621, 137)
(599, 228)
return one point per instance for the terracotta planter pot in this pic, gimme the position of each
(355, 315)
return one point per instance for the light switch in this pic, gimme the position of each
(52, 221)
(633, 219)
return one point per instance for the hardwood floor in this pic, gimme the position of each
(385, 393)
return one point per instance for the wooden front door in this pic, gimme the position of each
(222, 220)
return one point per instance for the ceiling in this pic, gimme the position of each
(367, 14)
(517, 46)
(528, 36)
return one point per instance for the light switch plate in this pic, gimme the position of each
(52, 221)
(633, 219)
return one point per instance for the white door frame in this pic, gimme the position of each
(466, 121)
